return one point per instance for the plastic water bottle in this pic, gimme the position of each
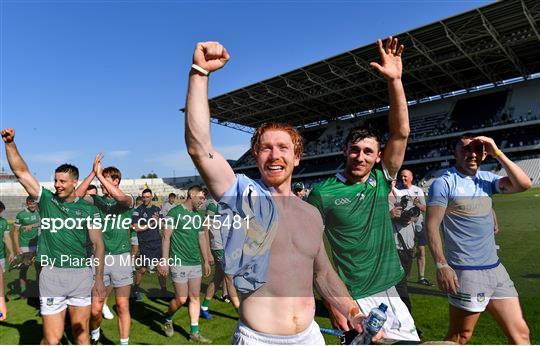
(372, 324)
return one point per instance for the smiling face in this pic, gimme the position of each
(406, 178)
(361, 157)
(31, 205)
(65, 184)
(276, 158)
(469, 154)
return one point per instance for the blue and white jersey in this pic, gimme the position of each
(468, 221)
(247, 249)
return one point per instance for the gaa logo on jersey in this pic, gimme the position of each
(480, 297)
(342, 201)
(50, 301)
(77, 212)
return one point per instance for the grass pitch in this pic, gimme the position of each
(519, 241)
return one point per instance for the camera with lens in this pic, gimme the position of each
(410, 213)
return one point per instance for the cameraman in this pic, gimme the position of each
(406, 207)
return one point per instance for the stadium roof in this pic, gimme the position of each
(487, 45)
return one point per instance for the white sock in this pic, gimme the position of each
(204, 308)
(94, 334)
(124, 341)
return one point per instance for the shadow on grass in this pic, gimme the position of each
(29, 331)
(531, 276)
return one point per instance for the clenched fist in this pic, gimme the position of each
(211, 56)
(8, 135)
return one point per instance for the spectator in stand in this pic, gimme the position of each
(171, 203)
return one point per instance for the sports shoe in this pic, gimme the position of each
(138, 296)
(424, 281)
(206, 315)
(225, 298)
(199, 338)
(168, 328)
(93, 342)
(107, 314)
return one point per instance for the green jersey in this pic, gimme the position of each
(359, 230)
(64, 240)
(117, 227)
(25, 218)
(185, 236)
(4, 229)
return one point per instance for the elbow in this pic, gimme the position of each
(527, 185)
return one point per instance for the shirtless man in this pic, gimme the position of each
(274, 247)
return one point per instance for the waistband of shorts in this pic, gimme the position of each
(276, 339)
(483, 267)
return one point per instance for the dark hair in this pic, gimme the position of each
(172, 194)
(112, 172)
(2, 206)
(30, 199)
(91, 187)
(358, 133)
(195, 189)
(466, 135)
(138, 198)
(146, 191)
(67, 168)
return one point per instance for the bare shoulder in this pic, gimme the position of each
(309, 209)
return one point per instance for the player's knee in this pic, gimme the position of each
(122, 307)
(522, 335)
(194, 299)
(461, 337)
(181, 300)
(50, 340)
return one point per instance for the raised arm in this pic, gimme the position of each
(214, 169)
(114, 191)
(398, 115)
(516, 179)
(446, 277)
(17, 164)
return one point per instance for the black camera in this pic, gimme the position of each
(408, 214)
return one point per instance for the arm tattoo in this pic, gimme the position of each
(210, 156)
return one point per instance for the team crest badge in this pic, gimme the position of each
(78, 212)
(50, 301)
(480, 297)
(371, 181)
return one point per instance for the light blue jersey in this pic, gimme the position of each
(247, 250)
(468, 221)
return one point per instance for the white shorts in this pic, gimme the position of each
(181, 274)
(243, 335)
(28, 249)
(3, 265)
(399, 323)
(118, 270)
(135, 241)
(60, 287)
(477, 287)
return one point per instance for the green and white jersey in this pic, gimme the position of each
(359, 230)
(25, 218)
(4, 229)
(64, 240)
(185, 236)
(117, 227)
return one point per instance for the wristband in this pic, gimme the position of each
(200, 69)
(498, 153)
(441, 266)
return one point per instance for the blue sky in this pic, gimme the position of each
(81, 77)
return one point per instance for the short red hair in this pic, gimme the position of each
(296, 137)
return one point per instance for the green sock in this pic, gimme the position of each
(169, 317)
(194, 328)
(205, 304)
